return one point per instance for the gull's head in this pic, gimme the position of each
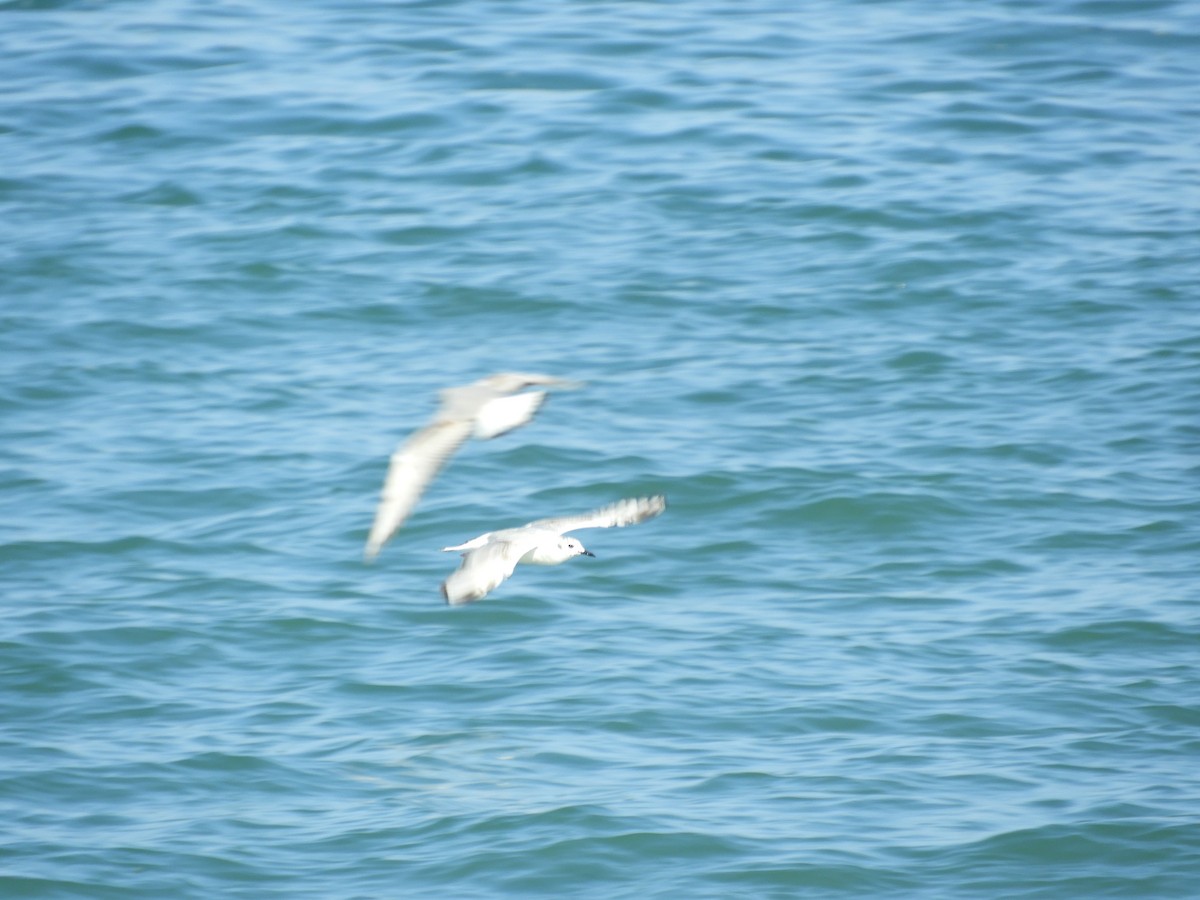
(571, 547)
(555, 552)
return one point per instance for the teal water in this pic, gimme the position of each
(897, 302)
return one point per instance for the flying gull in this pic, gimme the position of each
(492, 557)
(484, 409)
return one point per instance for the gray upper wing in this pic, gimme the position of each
(629, 511)
(412, 467)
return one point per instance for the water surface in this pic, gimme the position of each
(896, 302)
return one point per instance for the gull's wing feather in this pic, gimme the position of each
(412, 467)
(483, 569)
(510, 382)
(629, 511)
(503, 414)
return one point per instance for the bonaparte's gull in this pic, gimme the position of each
(492, 557)
(486, 409)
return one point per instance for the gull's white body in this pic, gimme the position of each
(491, 558)
(483, 409)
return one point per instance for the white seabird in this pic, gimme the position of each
(492, 557)
(485, 409)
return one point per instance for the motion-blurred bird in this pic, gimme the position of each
(492, 557)
(485, 409)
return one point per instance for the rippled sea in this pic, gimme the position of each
(897, 303)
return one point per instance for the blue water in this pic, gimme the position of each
(897, 303)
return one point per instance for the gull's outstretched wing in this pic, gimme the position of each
(616, 515)
(412, 467)
(483, 569)
(511, 382)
